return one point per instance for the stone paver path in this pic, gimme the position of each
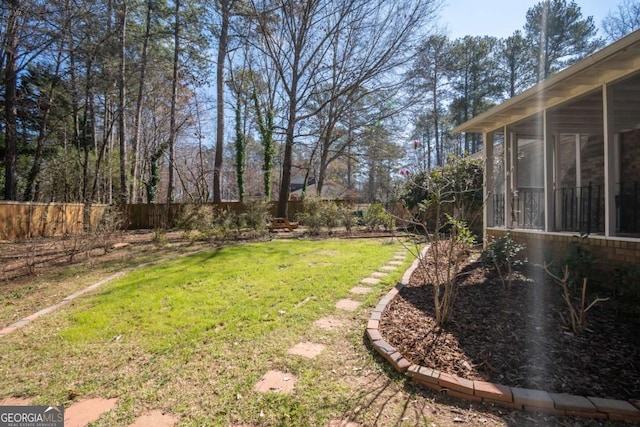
(388, 267)
(306, 349)
(328, 323)
(155, 419)
(276, 381)
(360, 290)
(16, 401)
(371, 280)
(348, 304)
(86, 411)
(378, 274)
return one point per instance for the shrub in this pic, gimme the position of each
(199, 218)
(628, 280)
(572, 278)
(329, 215)
(160, 237)
(376, 217)
(257, 215)
(577, 312)
(347, 217)
(109, 228)
(502, 253)
(311, 216)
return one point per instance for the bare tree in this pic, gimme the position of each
(624, 20)
(325, 52)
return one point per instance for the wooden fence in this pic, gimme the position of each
(164, 216)
(25, 220)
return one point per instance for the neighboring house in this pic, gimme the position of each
(330, 190)
(562, 159)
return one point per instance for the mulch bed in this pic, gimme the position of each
(517, 337)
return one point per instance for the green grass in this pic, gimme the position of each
(192, 336)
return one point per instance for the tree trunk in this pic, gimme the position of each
(174, 100)
(11, 101)
(122, 101)
(222, 54)
(137, 125)
(42, 134)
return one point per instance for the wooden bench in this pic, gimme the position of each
(282, 224)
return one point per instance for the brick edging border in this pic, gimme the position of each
(558, 404)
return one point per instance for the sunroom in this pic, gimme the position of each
(563, 157)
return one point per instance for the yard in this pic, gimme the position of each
(193, 335)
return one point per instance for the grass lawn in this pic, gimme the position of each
(193, 335)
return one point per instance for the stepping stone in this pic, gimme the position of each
(86, 411)
(328, 323)
(347, 304)
(155, 418)
(306, 349)
(16, 401)
(360, 290)
(399, 257)
(388, 267)
(379, 274)
(371, 281)
(395, 263)
(275, 381)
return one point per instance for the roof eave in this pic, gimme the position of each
(476, 123)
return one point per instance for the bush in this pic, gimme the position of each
(199, 218)
(257, 215)
(502, 253)
(347, 217)
(318, 214)
(311, 216)
(376, 217)
(628, 280)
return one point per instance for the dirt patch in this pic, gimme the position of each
(517, 337)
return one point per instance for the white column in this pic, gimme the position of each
(609, 161)
(506, 161)
(488, 184)
(512, 221)
(578, 161)
(548, 145)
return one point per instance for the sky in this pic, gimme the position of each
(500, 18)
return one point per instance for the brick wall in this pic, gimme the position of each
(608, 253)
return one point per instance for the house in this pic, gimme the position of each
(562, 159)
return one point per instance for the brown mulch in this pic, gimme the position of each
(517, 337)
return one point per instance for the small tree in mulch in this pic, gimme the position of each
(447, 200)
(572, 278)
(503, 253)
